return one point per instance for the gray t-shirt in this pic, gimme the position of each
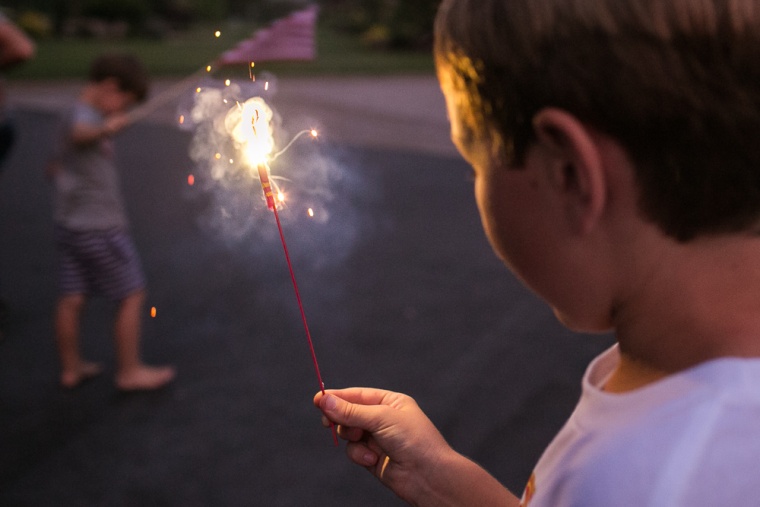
(87, 193)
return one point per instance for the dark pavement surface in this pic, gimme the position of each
(400, 288)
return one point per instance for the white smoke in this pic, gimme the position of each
(319, 218)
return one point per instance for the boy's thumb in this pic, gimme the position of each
(331, 406)
(344, 413)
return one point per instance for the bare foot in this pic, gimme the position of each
(144, 378)
(77, 376)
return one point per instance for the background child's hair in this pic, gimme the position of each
(127, 69)
(676, 82)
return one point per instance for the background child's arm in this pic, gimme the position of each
(16, 45)
(83, 134)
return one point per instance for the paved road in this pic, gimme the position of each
(384, 112)
(399, 284)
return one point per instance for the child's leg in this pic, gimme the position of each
(74, 370)
(132, 374)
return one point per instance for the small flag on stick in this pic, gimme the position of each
(290, 38)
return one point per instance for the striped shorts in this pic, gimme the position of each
(103, 263)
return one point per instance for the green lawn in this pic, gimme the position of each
(187, 52)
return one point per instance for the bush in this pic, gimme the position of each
(397, 24)
(36, 24)
(134, 12)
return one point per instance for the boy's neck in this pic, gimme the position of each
(699, 301)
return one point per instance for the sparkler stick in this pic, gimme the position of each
(266, 186)
(146, 109)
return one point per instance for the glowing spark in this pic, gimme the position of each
(181, 119)
(208, 68)
(311, 212)
(249, 124)
(232, 161)
(218, 156)
(266, 86)
(217, 34)
(153, 312)
(280, 197)
(314, 133)
(227, 82)
(198, 90)
(191, 180)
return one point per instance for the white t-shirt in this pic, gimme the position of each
(689, 440)
(87, 190)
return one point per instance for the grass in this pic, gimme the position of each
(182, 54)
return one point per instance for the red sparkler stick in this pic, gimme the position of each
(266, 186)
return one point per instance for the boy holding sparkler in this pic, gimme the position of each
(96, 254)
(616, 150)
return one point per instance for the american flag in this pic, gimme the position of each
(290, 38)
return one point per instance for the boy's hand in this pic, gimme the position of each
(389, 435)
(115, 123)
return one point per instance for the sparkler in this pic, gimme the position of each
(250, 125)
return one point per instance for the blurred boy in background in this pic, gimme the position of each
(96, 255)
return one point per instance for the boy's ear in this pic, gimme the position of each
(576, 166)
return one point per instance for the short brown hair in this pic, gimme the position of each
(676, 82)
(128, 71)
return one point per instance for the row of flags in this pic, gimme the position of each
(290, 38)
